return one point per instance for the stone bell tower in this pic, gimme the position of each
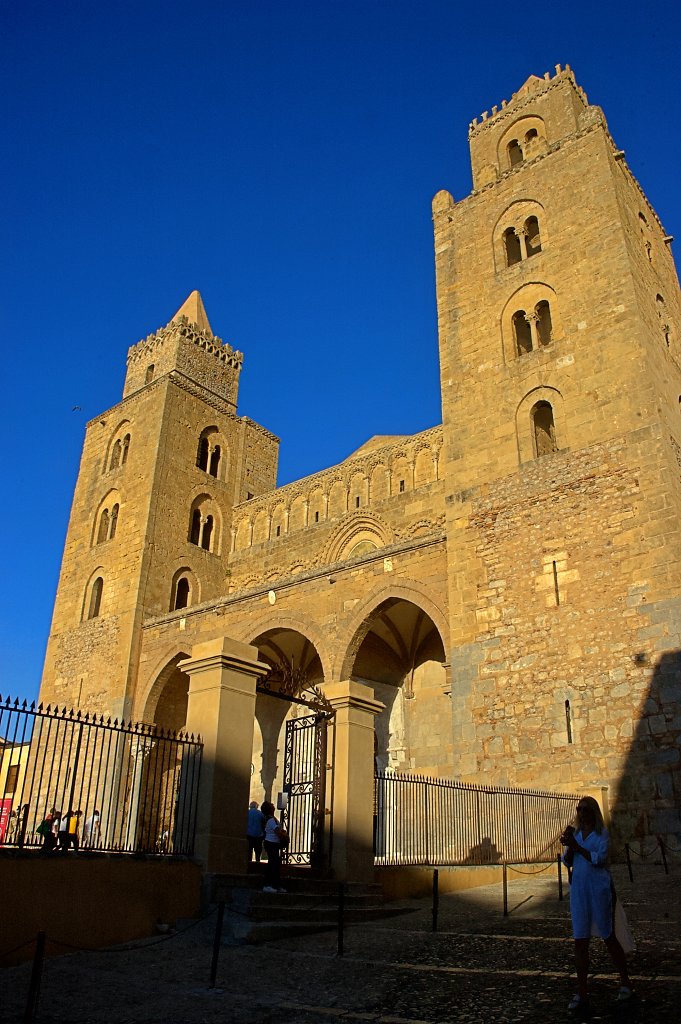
(150, 525)
(559, 313)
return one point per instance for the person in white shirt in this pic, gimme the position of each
(273, 836)
(92, 830)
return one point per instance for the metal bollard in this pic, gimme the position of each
(664, 857)
(505, 884)
(436, 898)
(631, 873)
(216, 944)
(34, 983)
(341, 913)
(559, 861)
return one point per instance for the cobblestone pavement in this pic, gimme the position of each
(479, 966)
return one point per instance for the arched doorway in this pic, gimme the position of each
(401, 655)
(157, 768)
(289, 739)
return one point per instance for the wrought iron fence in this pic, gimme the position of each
(425, 821)
(118, 787)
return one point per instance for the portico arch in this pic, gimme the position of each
(295, 667)
(397, 648)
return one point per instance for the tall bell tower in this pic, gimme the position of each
(150, 525)
(559, 314)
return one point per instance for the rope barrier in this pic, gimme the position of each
(538, 872)
(141, 945)
(15, 949)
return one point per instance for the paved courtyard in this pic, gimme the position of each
(479, 966)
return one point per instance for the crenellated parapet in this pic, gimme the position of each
(194, 350)
(529, 92)
(373, 475)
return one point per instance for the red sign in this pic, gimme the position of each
(5, 811)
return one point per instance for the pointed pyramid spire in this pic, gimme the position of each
(529, 86)
(194, 310)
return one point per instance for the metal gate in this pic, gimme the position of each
(305, 788)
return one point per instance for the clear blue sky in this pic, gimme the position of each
(280, 156)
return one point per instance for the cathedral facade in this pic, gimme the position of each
(507, 583)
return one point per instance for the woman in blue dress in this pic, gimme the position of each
(587, 852)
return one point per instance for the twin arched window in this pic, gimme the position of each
(209, 455)
(108, 522)
(119, 452)
(516, 149)
(534, 329)
(522, 244)
(201, 530)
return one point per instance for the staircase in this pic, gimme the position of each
(309, 905)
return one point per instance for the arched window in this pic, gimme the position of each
(124, 449)
(522, 332)
(214, 461)
(195, 527)
(207, 533)
(531, 134)
(95, 598)
(202, 456)
(181, 597)
(103, 531)
(115, 455)
(149, 375)
(113, 522)
(544, 325)
(515, 153)
(544, 429)
(512, 247)
(532, 237)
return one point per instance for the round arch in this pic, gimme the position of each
(398, 649)
(360, 624)
(267, 623)
(165, 703)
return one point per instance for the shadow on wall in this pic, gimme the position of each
(647, 802)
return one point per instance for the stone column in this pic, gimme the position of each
(352, 857)
(221, 708)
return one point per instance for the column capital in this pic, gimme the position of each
(350, 694)
(224, 653)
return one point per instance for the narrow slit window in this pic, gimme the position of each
(401, 486)
(544, 323)
(207, 533)
(512, 247)
(568, 721)
(202, 454)
(195, 527)
(214, 461)
(515, 153)
(113, 523)
(532, 237)
(103, 531)
(96, 598)
(522, 333)
(544, 429)
(181, 593)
